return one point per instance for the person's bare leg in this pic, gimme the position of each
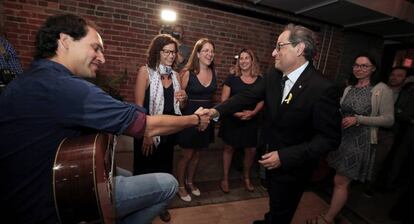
(182, 164)
(227, 157)
(249, 155)
(339, 196)
(192, 168)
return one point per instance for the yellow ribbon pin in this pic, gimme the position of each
(289, 98)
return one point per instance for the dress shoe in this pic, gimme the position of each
(186, 198)
(165, 216)
(194, 190)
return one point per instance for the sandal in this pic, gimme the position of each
(319, 219)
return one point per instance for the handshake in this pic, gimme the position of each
(204, 116)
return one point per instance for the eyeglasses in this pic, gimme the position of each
(280, 45)
(207, 51)
(168, 52)
(363, 66)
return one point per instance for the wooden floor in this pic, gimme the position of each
(244, 212)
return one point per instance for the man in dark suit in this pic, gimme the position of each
(302, 120)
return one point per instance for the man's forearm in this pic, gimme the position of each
(168, 124)
(156, 125)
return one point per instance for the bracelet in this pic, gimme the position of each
(199, 119)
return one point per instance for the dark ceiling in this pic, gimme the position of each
(391, 19)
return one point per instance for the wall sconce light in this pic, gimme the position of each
(168, 17)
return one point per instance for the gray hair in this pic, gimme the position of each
(301, 34)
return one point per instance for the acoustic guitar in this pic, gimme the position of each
(83, 179)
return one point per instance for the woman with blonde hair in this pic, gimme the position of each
(240, 130)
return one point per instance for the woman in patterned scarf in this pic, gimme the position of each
(158, 89)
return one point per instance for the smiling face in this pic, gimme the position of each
(245, 61)
(206, 54)
(85, 55)
(167, 54)
(285, 53)
(363, 68)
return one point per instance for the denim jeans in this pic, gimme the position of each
(139, 199)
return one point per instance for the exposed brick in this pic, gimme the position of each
(82, 4)
(53, 5)
(16, 19)
(105, 9)
(11, 5)
(129, 25)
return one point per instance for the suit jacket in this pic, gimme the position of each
(301, 130)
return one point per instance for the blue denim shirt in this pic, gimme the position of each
(38, 109)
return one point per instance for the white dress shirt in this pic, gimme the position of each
(292, 77)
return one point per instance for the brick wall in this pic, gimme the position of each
(128, 26)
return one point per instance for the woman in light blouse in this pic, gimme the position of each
(365, 105)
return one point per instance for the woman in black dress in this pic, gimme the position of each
(240, 130)
(158, 89)
(199, 82)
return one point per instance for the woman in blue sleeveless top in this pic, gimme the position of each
(199, 82)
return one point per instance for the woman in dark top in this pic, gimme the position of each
(199, 82)
(158, 89)
(240, 130)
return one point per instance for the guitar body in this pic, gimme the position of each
(82, 179)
